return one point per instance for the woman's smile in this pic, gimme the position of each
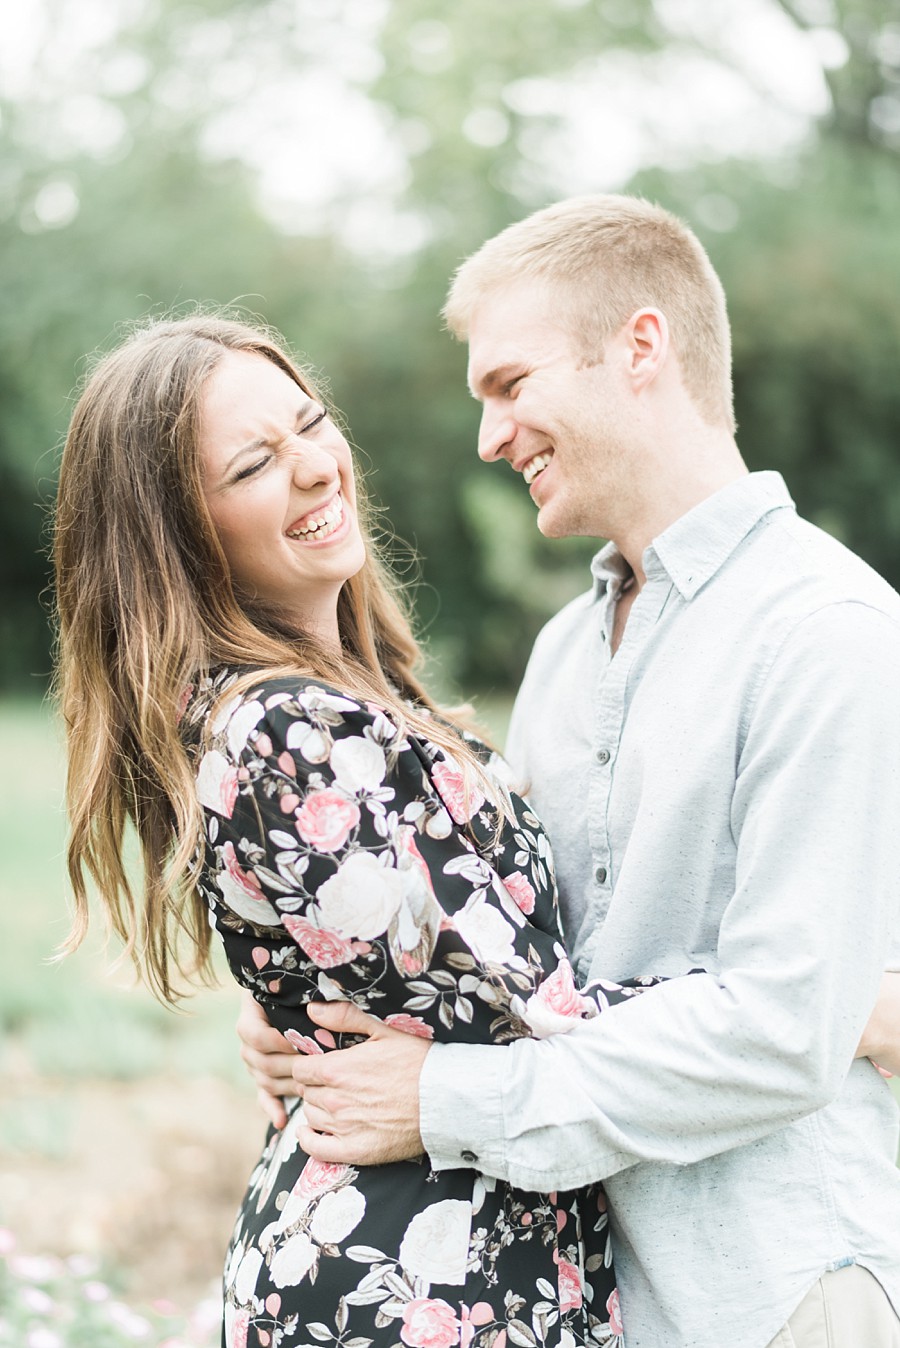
(321, 523)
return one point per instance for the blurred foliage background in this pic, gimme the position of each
(327, 163)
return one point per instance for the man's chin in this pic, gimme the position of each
(553, 524)
(548, 522)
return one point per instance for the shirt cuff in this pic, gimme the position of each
(461, 1107)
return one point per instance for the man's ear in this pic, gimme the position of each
(647, 336)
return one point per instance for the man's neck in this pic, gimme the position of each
(673, 497)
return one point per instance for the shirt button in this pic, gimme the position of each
(469, 1157)
(602, 755)
(600, 875)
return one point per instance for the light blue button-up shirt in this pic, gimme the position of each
(723, 793)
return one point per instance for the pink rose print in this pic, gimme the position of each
(462, 803)
(302, 1043)
(418, 862)
(559, 993)
(327, 949)
(569, 1287)
(409, 1025)
(318, 1177)
(263, 745)
(217, 783)
(326, 820)
(521, 891)
(183, 701)
(429, 1324)
(239, 1329)
(245, 879)
(612, 1310)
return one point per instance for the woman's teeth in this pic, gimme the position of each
(320, 526)
(535, 466)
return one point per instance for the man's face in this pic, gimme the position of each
(566, 426)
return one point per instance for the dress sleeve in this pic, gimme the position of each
(345, 861)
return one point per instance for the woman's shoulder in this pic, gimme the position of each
(229, 706)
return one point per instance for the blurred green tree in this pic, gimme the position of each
(116, 200)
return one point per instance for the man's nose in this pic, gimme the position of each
(495, 434)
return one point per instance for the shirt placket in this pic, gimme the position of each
(611, 687)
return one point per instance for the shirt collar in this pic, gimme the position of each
(693, 549)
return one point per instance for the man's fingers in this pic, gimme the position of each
(278, 1066)
(254, 1030)
(273, 1108)
(318, 1118)
(345, 1018)
(322, 1146)
(275, 1085)
(312, 1070)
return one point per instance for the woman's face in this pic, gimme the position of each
(278, 481)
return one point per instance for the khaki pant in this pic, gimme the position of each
(845, 1309)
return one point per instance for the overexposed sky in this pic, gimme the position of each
(315, 139)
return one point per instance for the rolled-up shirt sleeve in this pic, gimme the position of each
(699, 1065)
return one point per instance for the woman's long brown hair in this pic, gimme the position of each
(145, 605)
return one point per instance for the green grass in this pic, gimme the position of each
(77, 1018)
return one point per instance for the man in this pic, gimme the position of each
(711, 737)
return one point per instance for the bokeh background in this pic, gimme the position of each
(326, 164)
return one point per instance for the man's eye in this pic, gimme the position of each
(509, 387)
(251, 469)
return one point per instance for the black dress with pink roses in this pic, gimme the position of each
(345, 860)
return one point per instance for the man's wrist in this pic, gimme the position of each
(460, 1107)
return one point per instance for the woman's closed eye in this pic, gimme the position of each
(252, 469)
(319, 417)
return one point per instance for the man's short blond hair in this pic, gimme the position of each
(606, 257)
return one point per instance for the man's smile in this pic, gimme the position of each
(534, 466)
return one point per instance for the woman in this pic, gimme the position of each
(238, 680)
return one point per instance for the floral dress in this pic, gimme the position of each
(344, 860)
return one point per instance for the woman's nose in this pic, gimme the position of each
(312, 466)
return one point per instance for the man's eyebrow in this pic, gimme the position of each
(494, 378)
(262, 442)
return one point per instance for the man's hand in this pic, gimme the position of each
(268, 1057)
(881, 1037)
(361, 1103)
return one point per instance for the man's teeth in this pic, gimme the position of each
(322, 525)
(535, 466)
